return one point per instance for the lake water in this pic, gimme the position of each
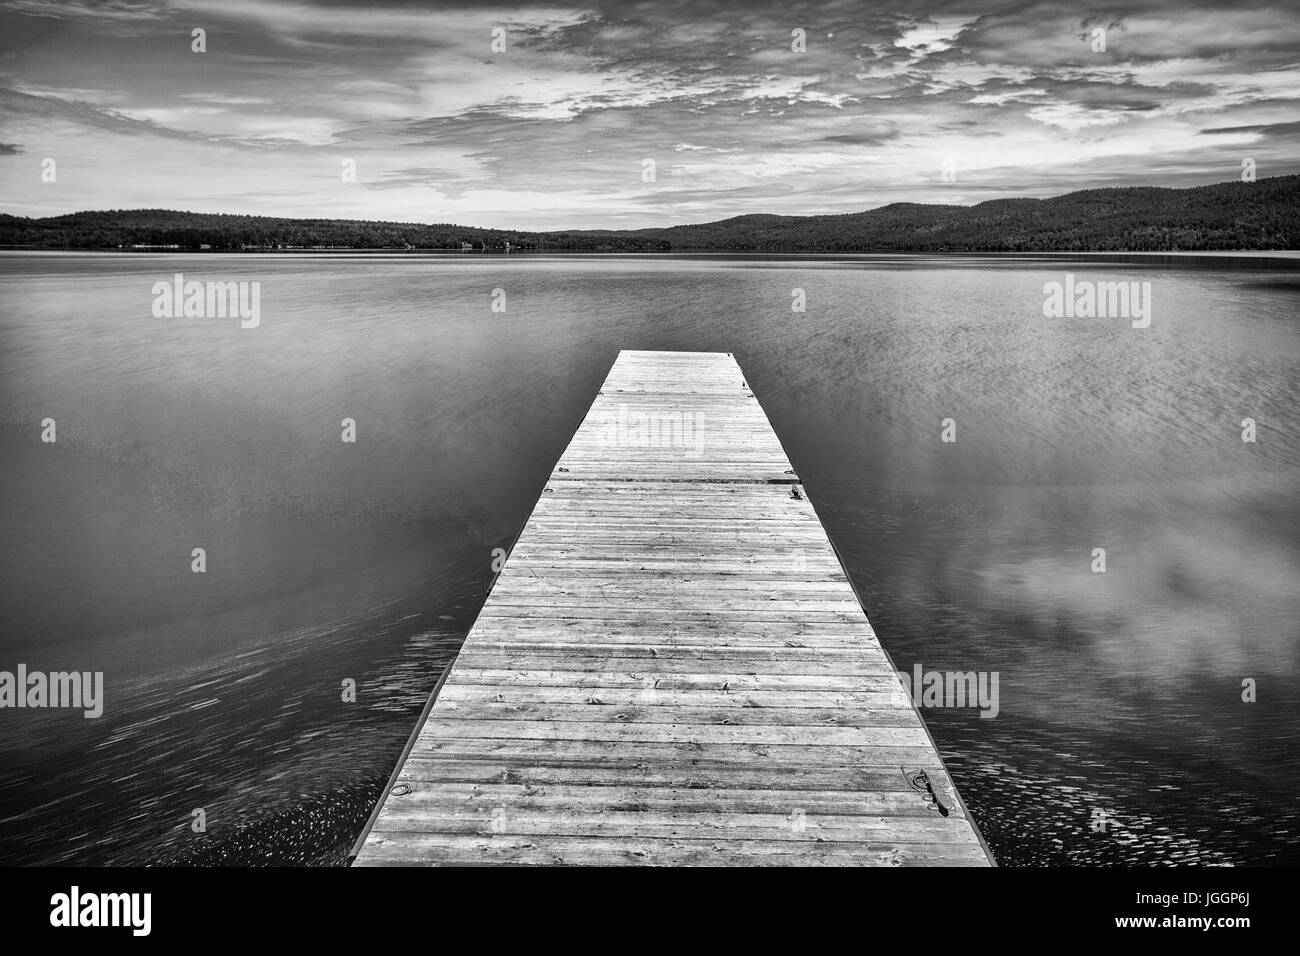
(1120, 692)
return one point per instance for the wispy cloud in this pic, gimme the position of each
(553, 130)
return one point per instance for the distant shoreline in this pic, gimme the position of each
(1257, 216)
(1290, 257)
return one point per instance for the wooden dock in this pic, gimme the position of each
(672, 668)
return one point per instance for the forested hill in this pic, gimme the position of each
(1233, 215)
(126, 228)
(1236, 215)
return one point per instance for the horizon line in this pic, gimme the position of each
(191, 212)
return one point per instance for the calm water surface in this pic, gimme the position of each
(1120, 692)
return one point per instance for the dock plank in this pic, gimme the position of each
(672, 668)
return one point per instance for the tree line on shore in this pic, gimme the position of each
(163, 228)
(1235, 215)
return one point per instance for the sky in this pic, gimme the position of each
(544, 116)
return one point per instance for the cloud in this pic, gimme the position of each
(932, 36)
(1264, 129)
(438, 121)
